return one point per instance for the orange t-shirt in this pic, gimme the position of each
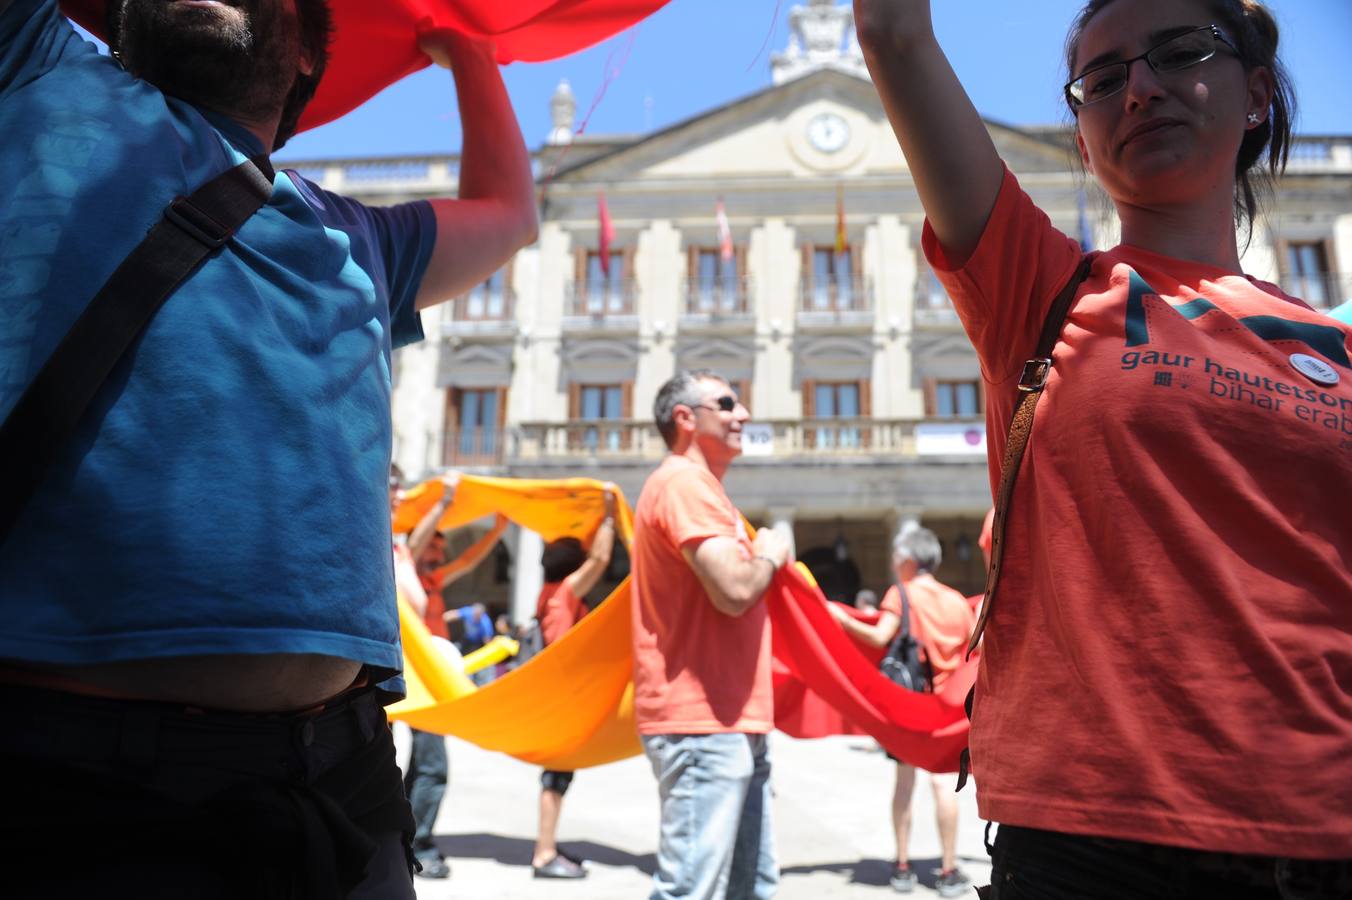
(1169, 658)
(696, 670)
(941, 622)
(557, 609)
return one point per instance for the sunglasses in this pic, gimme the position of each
(726, 403)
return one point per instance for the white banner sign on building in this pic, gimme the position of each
(758, 439)
(957, 439)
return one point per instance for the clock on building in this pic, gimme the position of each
(828, 132)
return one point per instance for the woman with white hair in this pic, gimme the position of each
(941, 621)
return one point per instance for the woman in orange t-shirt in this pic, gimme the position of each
(941, 622)
(1164, 704)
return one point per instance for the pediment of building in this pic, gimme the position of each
(826, 124)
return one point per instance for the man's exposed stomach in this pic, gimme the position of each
(272, 682)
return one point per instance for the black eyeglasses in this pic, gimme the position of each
(726, 403)
(1181, 51)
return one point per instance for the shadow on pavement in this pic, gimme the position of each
(515, 851)
(873, 872)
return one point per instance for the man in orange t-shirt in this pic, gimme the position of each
(702, 693)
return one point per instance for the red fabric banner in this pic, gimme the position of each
(375, 42)
(826, 684)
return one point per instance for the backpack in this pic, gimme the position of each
(905, 663)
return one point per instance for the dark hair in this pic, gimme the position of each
(316, 33)
(1254, 31)
(680, 389)
(562, 558)
(314, 22)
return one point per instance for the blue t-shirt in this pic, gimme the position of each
(226, 492)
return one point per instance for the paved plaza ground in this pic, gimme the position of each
(832, 821)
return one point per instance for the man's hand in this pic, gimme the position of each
(449, 482)
(772, 545)
(447, 48)
(608, 497)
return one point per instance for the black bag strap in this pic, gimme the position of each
(903, 632)
(1031, 382)
(51, 407)
(1036, 371)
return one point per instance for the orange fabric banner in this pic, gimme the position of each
(571, 706)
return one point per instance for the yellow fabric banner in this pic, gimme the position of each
(570, 706)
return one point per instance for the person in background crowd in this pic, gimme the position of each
(941, 622)
(422, 584)
(1164, 704)
(252, 417)
(866, 601)
(703, 698)
(570, 572)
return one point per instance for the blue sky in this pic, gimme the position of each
(694, 55)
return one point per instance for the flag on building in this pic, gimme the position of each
(842, 236)
(725, 248)
(605, 230)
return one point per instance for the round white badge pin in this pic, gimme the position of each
(1315, 369)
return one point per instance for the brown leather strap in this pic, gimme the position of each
(1031, 382)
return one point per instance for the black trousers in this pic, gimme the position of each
(1048, 865)
(111, 798)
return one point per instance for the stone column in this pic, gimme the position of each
(527, 577)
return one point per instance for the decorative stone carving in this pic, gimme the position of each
(823, 38)
(563, 111)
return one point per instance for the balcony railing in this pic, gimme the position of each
(613, 297)
(933, 306)
(836, 296)
(585, 437)
(1317, 153)
(1324, 290)
(485, 306)
(791, 438)
(718, 297)
(473, 447)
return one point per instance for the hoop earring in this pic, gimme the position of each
(1254, 119)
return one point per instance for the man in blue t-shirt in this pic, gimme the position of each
(212, 710)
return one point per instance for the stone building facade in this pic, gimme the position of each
(865, 394)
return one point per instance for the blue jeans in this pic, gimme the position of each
(425, 783)
(717, 842)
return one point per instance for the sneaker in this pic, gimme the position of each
(903, 879)
(433, 867)
(560, 867)
(952, 883)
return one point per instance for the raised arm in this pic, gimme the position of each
(584, 578)
(734, 584)
(950, 154)
(463, 564)
(422, 533)
(494, 214)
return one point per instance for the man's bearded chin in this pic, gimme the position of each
(237, 61)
